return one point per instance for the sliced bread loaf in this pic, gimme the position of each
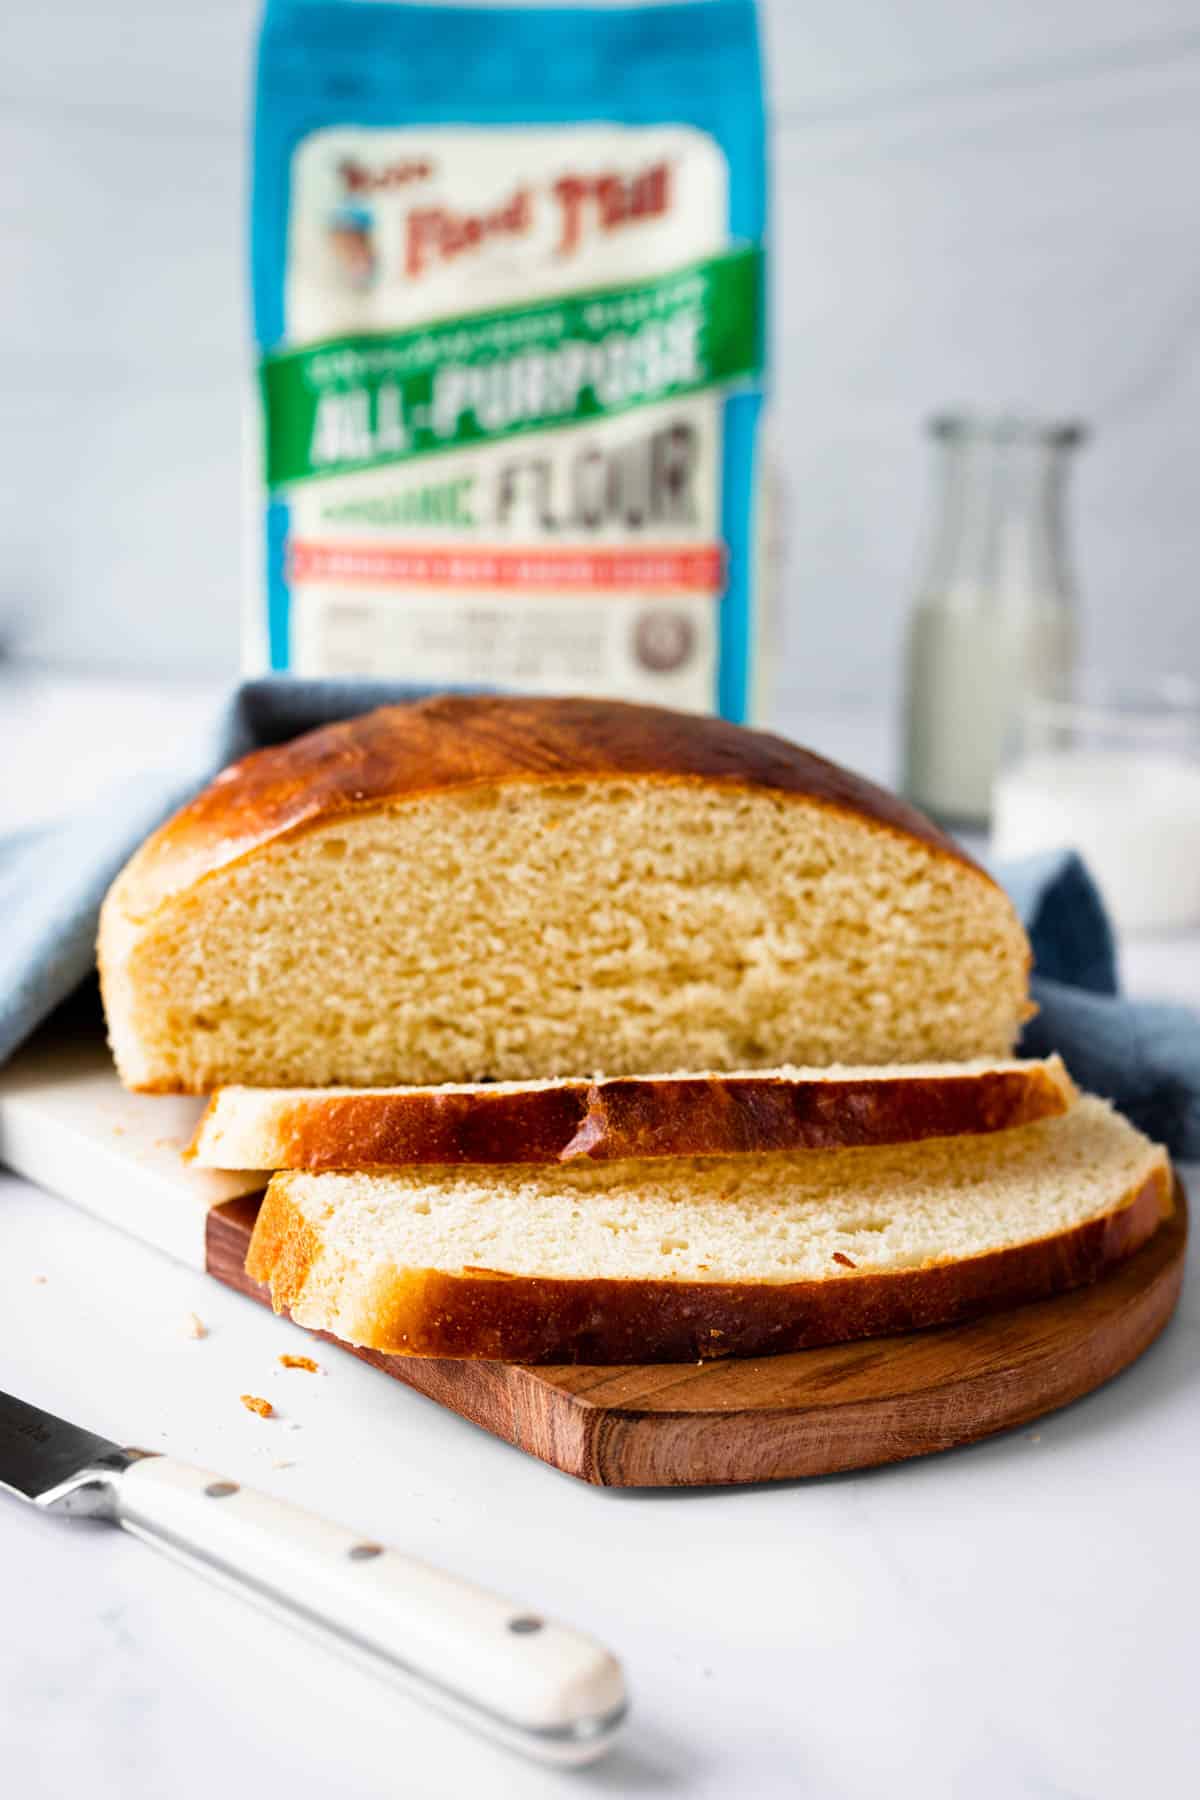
(633, 1116)
(669, 1261)
(505, 889)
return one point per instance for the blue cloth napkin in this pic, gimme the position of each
(1145, 1056)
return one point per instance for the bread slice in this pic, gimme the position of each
(669, 1261)
(622, 1117)
(510, 889)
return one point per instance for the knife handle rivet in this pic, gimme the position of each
(524, 1623)
(364, 1552)
(221, 1490)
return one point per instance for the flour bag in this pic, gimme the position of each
(508, 270)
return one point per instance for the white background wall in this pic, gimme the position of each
(974, 204)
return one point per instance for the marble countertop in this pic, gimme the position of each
(1014, 1619)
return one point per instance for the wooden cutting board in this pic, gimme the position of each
(66, 1123)
(812, 1413)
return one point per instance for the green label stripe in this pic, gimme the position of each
(361, 402)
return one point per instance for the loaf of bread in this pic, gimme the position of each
(506, 889)
(623, 1117)
(669, 1261)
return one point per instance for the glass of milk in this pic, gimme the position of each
(1114, 773)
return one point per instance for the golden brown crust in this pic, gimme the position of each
(282, 1249)
(527, 1319)
(449, 743)
(631, 1117)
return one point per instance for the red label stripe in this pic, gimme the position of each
(669, 568)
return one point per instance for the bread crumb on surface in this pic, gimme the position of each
(291, 1424)
(300, 1362)
(194, 1326)
(282, 1462)
(39, 1281)
(256, 1404)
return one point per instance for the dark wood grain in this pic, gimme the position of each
(848, 1406)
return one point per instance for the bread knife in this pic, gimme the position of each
(533, 1685)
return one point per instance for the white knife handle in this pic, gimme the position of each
(537, 1686)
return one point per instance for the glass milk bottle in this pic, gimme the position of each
(994, 615)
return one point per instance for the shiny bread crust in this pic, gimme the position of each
(623, 1118)
(482, 1313)
(456, 742)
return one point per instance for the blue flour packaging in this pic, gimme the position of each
(508, 270)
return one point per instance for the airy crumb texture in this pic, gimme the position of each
(256, 1404)
(527, 930)
(609, 1120)
(300, 1362)
(633, 1261)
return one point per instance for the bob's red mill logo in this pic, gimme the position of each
(583, 206)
